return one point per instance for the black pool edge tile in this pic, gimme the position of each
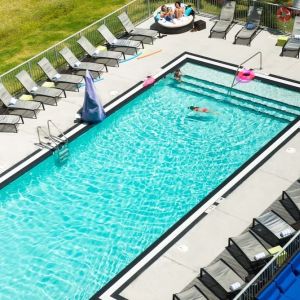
(186, 216)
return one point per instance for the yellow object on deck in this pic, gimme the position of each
(282, 256)
(281, 40)
(26, 97)
(48, 84)
(101, 48)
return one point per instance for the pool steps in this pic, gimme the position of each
(246, 95)
(212, 96)
(274, 108)
(249, 103)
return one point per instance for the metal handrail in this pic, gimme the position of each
(39, 129)
(241, 64)
(65, 140)
(244, 293)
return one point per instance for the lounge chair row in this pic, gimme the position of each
(249, 250)
(252, 27)
(17, 109)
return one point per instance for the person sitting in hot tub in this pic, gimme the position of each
(179, 10)
(166, 13)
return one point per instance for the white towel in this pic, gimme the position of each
(12, 101)
(56, 77)
(297, 36)
(259, 256)
(77, 64)
(286, 232)
(114, 41)
(34, 89)
(234, 286)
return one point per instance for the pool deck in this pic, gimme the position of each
(199, 246)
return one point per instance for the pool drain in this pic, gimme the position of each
(290, 150)
(183, 248)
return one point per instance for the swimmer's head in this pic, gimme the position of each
(191, 107)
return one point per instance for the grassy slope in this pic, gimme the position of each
(30, 26)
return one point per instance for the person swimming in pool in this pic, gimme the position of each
(199, 109)
(177, 75)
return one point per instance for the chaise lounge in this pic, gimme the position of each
(248, 251)
(56, 77)
(50, 95)
(133, 31)
(291, 200)
(104, 57)
(10, 121)
(292, 46)
(19, 107)
(78, 65)
(193, 293)
(221, 279)
(225, 22)
(250, 30)
(122, 44)
(272, 228)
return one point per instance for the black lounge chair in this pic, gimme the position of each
(248, 251)
(49, 95)
(250, 30)
(225, 22)
(10, 122)
(19, 107)
(114, 43)
(103, 56)
(272, 228)
(291, 200)
(57, 78)
(292, 46)
(133, 31)
(77, 65)
(221, 279)
(193, 293)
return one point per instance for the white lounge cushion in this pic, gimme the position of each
(234, 286)
(96, 52)
(77, 64)
(259, 256)
(286, 232)
(56, 77)
(12, 101)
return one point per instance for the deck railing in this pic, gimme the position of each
(138, 11)
(250, 291)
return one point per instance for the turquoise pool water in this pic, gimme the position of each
(66, 231)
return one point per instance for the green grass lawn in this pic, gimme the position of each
(30, 26)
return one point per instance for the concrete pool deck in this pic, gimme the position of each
(15, 147)
(177, 267)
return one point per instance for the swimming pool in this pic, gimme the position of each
(71, 229)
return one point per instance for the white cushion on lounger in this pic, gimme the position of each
(12, 101)
(57, 76)
(286, 232)
(96, 52)
(233, 287)
(77, 64)
(297, 36)
(259, 256)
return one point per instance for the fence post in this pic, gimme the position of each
(198, 6)
(149, 8)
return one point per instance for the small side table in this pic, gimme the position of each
(281, 258)
(281, 40)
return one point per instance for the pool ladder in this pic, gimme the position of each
(56, 143)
